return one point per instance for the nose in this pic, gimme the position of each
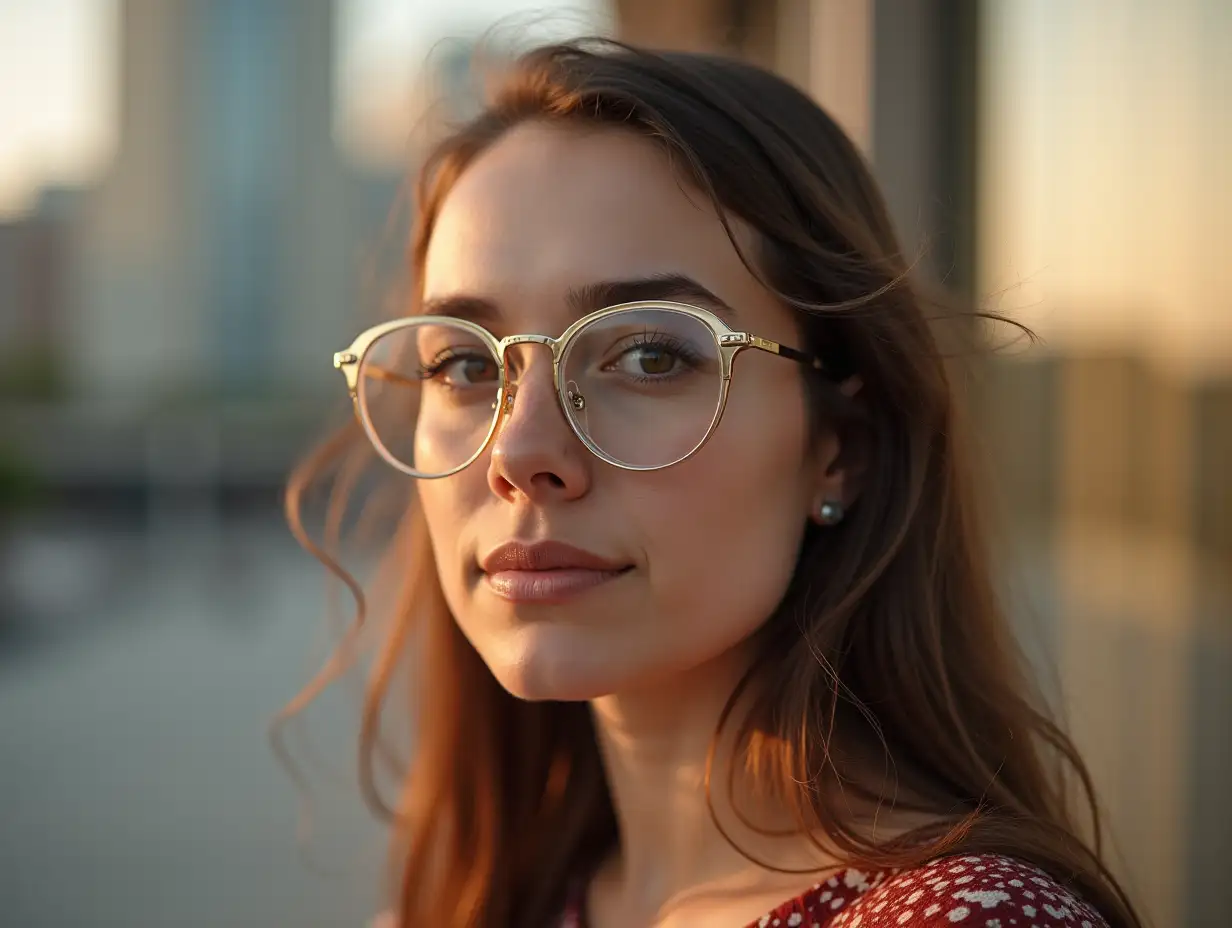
(534, 454)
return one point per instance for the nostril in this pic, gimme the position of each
(546, 478)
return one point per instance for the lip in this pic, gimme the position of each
(546, 571)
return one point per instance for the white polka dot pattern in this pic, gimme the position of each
(976, 891)
(984, 891)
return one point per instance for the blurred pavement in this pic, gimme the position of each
(137, 677)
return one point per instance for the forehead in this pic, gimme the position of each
(546, 209)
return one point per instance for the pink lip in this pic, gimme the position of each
(546, 571)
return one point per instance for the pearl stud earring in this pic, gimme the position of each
(830, 512)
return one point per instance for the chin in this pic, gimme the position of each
(574, 691)
(542, 665)
(535, 682)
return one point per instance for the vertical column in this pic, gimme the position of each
(922, 128)
(1126, 585)
(136, 301)
(690, 25)
(320, 250)
(841, 65)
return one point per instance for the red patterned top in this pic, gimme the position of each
(985, 891)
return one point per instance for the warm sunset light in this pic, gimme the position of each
(1106, 198)
(57, 96)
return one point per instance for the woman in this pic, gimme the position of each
(704, 627)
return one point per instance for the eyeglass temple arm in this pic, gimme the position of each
(802, 357)
(745, 340)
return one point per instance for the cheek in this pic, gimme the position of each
(733, 516)
(724, 541)
(448, 506)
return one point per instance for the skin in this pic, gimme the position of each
(711, 543)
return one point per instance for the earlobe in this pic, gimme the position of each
(826, 507)
(843, 468)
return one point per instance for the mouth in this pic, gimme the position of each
(546, 572)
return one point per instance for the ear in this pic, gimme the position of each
(838, 468)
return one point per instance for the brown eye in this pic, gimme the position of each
(477, 370)
(642, 361)
(655, 360)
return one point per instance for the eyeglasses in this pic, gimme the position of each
(642, 385)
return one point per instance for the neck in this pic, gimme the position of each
(655, 743)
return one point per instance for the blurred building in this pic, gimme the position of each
(1105, 191)
(217, 265)
(216, 254)
(34, 264)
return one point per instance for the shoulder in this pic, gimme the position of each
(982, 891)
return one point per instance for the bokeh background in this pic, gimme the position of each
(191, 192)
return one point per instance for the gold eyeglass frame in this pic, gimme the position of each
(728, 342)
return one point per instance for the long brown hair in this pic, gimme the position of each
(891, 628)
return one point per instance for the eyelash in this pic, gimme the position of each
(444, 359)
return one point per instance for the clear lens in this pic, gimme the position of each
(643, 386)
(428, 394)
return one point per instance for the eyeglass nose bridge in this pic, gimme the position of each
(512, 340)
(511, 383)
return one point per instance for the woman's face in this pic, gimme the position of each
(673, 568)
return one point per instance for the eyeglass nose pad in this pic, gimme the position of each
(577, 401)
(507, 403)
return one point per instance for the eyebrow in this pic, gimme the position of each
(591, 297)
